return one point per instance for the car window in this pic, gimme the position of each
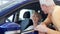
(21, 14)
(23, 11)
(9, 19)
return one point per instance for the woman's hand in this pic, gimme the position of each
(41, 28)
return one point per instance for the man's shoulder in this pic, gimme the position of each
(56, 10)
(57, 7)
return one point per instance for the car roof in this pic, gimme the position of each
(13, 6)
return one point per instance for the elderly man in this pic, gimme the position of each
(53, 11)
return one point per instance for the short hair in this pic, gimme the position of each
(47, 2)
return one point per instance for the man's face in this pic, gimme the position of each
(45, 8)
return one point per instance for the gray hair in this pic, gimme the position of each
(47, 2)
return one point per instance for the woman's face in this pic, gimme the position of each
(36, 18)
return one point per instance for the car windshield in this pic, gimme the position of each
(8, 3)
(3, 2)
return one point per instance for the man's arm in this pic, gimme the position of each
(56, 20)
(50, 31)
(47, 21)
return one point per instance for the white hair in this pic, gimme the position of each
(47, 2)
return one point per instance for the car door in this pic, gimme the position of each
(17, 15)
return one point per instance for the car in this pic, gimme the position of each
(14, 10)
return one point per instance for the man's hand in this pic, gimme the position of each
(41, 28)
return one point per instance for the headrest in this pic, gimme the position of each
(26, 15)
